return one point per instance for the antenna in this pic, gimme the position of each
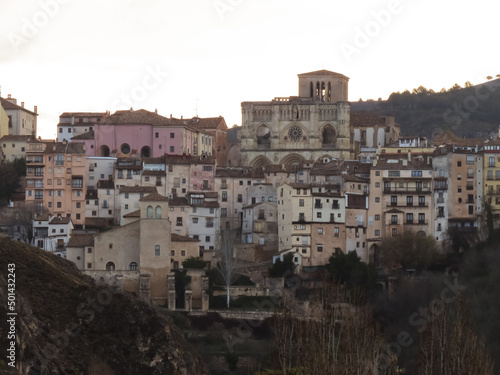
(196, 108)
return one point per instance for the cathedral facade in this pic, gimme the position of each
(299, 129)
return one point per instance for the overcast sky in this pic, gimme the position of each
(176, 56)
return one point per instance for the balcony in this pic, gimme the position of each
(441, 214)
(318, 205)
(440, 200)
(261, 217)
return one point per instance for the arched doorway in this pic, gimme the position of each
(104, 151)
(374, 255)
(146, 152)
(329, 136)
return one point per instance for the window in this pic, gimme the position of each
(459, 176)
(172, 135)
(470, 159)
(207, 168)
(394, 219)
(377, 184)
(89, 265)
(133, 266)
(394, 200)
(59, 159)
(491, 161)
(320, 230)
(207, 238)
(172, 148)
(416, 173)
(240, 198)
(377, 199)
(394, 173)
(377, 217)
(157, 250)
(319, 248)
(78, 205)
(318, 215)
(409, 218)
(336, 231)
(409, 201)
(459, 163)
(179, 221)
(394, 232)
(421, 201)
(301, 203)
(471, 210)
(223, 212)
(59, 204)
(377, 232)
(421, 218)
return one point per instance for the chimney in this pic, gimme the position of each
(10, 99)
(22, 104)
(36, 109)
(156, 110)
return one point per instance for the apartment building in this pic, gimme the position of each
(21, 120)
(14, 146)
(74, 124)
(491, 157)
(55, 178)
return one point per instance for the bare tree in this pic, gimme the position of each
(227, 263)
(450, 344)
(21, 221)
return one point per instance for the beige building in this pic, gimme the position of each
(373, 130)
(138, 253)
(14, 146)
(21, 120)
(400, 199)
(54, 178)
(297, 129)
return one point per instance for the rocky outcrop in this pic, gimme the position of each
(66, 324)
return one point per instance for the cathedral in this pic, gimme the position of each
(299, 129)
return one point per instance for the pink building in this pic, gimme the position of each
(144, 134)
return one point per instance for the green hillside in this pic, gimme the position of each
(470, 111)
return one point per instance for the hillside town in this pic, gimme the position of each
(135, 193)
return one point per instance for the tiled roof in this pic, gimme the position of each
(133, 214)
(81, 240)
(208, 123)
(138, 189)
(83, 114)
(60, 220)
(64, 148)
(88, 135)
(11, 106)
(367, 119)
(389, 164)
(207, 205)
(13, 138)
(140, 116)
(242, 172)
(105, 184)
(153, 173)
(153, 197)
(174, 237)
(178, 201)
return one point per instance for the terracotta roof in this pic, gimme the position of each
(11, 106)
(64, 148)
(133, 214)
(388, 164)
(105, 184)
(322, 72)
(178, 201)
(88, 135)
(138, 189)
(81, 240)
(60, 220)
(83, 114)
(153, 173)
(154, 197)
(157, 160)
(174, 237)
(12, 137)
(140, 116)
(207, 205)
(242, 172)
(208, 123)
(367, 119)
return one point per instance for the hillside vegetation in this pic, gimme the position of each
(469, 111)
(66, 324)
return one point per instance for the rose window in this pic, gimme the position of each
(295, 133)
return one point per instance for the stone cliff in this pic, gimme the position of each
(66, 324)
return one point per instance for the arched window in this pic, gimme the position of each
(133, 266)
(110, 266)
(329, 93)
(311, 89)
(158, 212)
(150, 212)
(317, 89)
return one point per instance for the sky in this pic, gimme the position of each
(205, 57)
